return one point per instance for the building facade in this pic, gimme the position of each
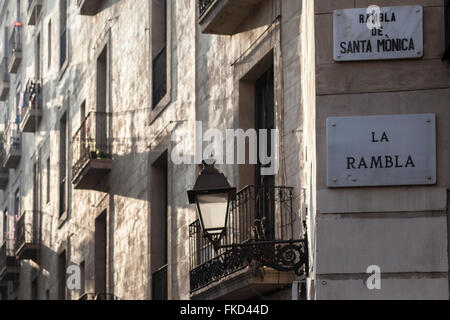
(109, 106)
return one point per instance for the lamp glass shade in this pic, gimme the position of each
(213, 211)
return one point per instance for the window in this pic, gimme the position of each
(18, 11)
(159, 51)
(62, 276)
(82, 278)
(63, 33)
(48, 180)
(103, 81)
(5, 225)
(159, 225)
(62, 165)
(49, 45)
(100, 253)
(17, 204)
(447, 30)
(38, 57)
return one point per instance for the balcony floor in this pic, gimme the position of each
(31, 120)
(15, 61)
(12, 159)
(28, 251)
(4, 90)
(225, 16)
(243, 285)
(92, 174)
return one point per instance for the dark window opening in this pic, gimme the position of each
(63, 32)
(62, 276)
(38, 57)
(159, 50)
(62, 165)
(159, 225)
(265, 119)
(49, 44)
(100, 253)
(82, 278)
(48, 179)
(447, 30)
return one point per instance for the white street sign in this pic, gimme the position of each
(381, 150)
(377, 33)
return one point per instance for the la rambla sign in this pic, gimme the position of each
(382, 150)
(378, 34)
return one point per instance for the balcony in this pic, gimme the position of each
(9, 265)
(34, 11)
(15, 46)
(98, 296)
(4, 79)
(224, 16)
(91, 152)
(260, 220)
(32, 108)
(27, 236)
(12, 146)
(89, 7)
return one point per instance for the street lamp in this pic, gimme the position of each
(212, 194)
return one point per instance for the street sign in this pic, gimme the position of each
(377, 33)
(383, 150)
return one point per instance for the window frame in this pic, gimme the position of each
(156, 110)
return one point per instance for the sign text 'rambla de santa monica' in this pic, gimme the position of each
(381, 150)
(376, 33)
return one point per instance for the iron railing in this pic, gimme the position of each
(31, 98)
(257, 214)
(11, 138)
(4, 70)
(98, 296)
(159, 76)
(91, 141)
(203, 5)
(159, 284)
(27, 230)
(15, 40)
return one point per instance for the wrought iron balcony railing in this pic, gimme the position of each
(28, 238)
(203, 5)
(159, 76)
(91, 146)
(31, 112)
(15, 47)
(259, 215)
(98, 296)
